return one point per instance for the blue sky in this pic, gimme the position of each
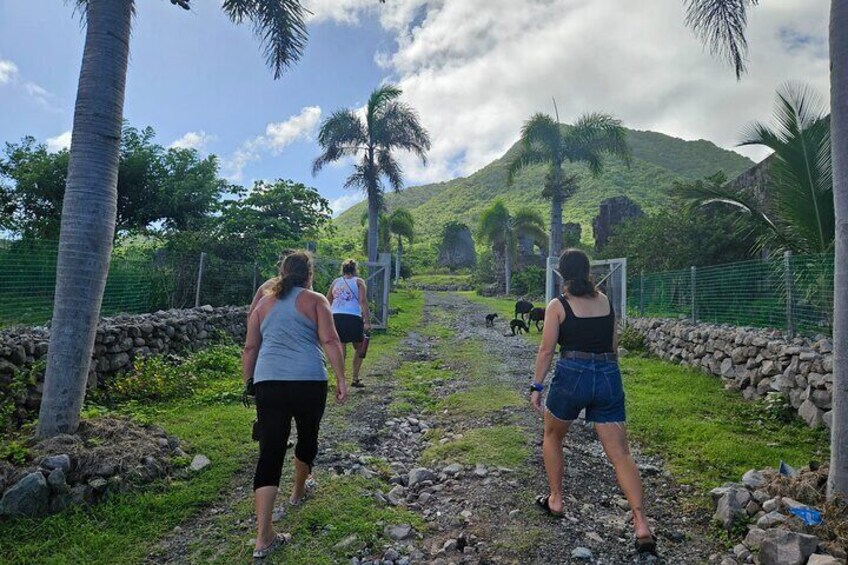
(474, 69)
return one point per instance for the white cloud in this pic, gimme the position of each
(476, 69)
(342, 203)
(8, 71)
(61, 141)
(193, 140)
(277, 136)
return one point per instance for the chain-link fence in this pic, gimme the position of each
(136, 284)
(793, 293)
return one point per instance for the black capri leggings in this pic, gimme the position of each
(277, 402)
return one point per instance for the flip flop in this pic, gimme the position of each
(279, 541)
(309, 487)
(647, 545)
(542, 502)
(357, 384)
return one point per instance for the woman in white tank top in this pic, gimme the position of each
(348, 297)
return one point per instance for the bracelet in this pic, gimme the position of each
(536, 387)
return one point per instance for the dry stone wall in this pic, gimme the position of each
(752, 361)
(120, 340)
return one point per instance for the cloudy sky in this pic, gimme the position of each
(474, 69)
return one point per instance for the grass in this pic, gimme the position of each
(440, 279)
(706, 434)
(482, 400)
(415, 379)
(125, 528)
(502, 446)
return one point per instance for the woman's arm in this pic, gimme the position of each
(330, 296)
(332, 345)
(251, 347)
(260, 294)
(363, 304)
(550, 336)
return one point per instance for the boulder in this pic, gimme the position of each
(731, 508)
(811, 413)
(753, 479)
(62, 462)
(199, 463)
(819, 559)
(419, 475)
(28, 497)
(399, 532)
(754, 538)
(782, 547)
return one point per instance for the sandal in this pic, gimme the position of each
(357, 384)
(279, 541)
(542, 502)
(309, 487)
(647, 544)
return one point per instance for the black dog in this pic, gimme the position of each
(522, 308)
(537, 315)
(490, 319)
(519, 326)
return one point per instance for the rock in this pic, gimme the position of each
(391, 555)
(753, 479)
(62, 462)
(480, 471)
(741, 552)
(581, 553)
(782, 547)
(731, 508)
(770, 520)
(399, 532)
(650, 470)
(450, 545)
(59, 502)
(827, 419)
(100, 485)
(754, 538)
(419, 475)
(199, 463)
(771, 505)
(347, 542)
(457, 250)
(28, 497)
(452, 470)
(811, 413)
(612, 212)
(396, 495)
(819, 559)
(56, 480)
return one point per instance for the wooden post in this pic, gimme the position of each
(200, 271)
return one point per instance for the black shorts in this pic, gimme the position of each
(349, 327)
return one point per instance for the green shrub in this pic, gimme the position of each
(13, 395)
(529, 281)
(632, 340)
(777, 408)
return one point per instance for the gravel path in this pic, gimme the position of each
(474, 513)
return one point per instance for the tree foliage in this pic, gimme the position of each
(159, 189)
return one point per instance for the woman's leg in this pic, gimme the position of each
(555, 431)
(275, 426)
(357, 361)
(312, 398)
(613, 437)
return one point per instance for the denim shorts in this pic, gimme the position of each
(591, 384)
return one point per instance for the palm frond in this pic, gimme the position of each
(593, 137)
(526, 157)
(402, 224)
(541, 142)
(721, 26)
(280, 26)
(340, 135)
(398, 126)
(390, 168)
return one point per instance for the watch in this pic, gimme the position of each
(536, 387)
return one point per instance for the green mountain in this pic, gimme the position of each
(658, 161)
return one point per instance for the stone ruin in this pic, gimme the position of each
(612, 212)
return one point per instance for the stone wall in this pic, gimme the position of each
(752, 361)
(121, 339)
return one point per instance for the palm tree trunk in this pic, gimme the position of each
(838, 479)
(373, 225)
(555, 238)
(88, 213)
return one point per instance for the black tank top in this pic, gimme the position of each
(590, 335)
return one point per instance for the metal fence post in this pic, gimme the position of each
(694, 303)
(642, 293)
(200, 271)
(789, 278)
(255, 277)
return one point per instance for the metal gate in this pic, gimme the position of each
(609, 274)
(378, 278)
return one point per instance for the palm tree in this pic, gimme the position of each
(402, 225)
(545, 141)
(384, 234)
(721, 24)
(797, 214)
(502, 230)
(389, 125)
(89, 206)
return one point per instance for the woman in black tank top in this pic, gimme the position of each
(582, 322)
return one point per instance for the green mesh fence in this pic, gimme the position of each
(136, 284)
(793, 293)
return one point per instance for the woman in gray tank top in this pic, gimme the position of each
(286, 333)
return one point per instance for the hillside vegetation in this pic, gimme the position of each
(658, 161)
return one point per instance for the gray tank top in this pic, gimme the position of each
(290, 350)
